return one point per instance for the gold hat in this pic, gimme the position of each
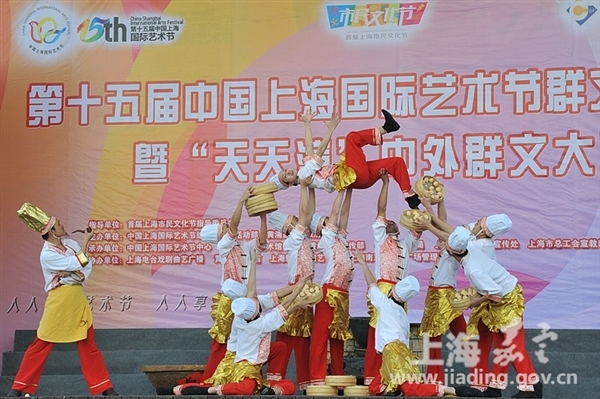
(35, 218)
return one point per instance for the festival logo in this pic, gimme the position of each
(580, 11)
(139, 29)
(46, 31)
(375, 21)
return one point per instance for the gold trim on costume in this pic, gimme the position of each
(499, 316)
(298, 323)
(220, 312)
(385, 287)
(344, 174)
(399, 365)
(437, 312)
(223, 370)
(245, 369)
(340, 324)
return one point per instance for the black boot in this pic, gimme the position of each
(525, 394)
(413, 201)
(492, 393)
(110, 392)
(539, 389)
(390, 124)
(468, 392)
(265, 390)
(195, 391)
(14, 393)
(164, 391)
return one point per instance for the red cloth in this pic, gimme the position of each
(412, 389)
(436, 372)
(301, 348)
(521, 360)
(373, 359)
(318, 345)
(248, 386)
(277, 361)
(367, 172)
(92, 365)
(217, 353)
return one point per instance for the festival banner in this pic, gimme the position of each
(148, 119)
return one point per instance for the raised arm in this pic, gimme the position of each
(304, 212)
(331, 125)
(369, 277)
(335, 208)
(262, 232)
(345, 212)
(296, 289)
(237, 213)
(442, 213)
(308, 136)
(251, 289)
(383, 195)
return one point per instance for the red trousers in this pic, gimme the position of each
(412, 389)
(247, 387)
(318, 344)
(301, 348)
(435, 372)
(514, 352)
(277, 363)
(373, 359)
(92, 365)
(367, 172)
(217, 353)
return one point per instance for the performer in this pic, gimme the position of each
(253, 327)
(332, 318)
(353, 170)
(498, 312)
(67, 315)
(233, 255)
(482, 233)
(438, 315)
(392, 257)
(313, 162)
(399, 374)
(296, 331)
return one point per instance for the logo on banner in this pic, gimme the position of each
(46, 30)
(142, 29)
(581, 12)
(375, 21)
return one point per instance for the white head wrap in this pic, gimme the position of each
(406, 289)
(458, 240)
(246, 308)
(496, 225)
(316, 223)
(233, 289)
(280, 221)
(212, 233)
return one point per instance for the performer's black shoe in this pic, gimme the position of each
(195, 391)
(265, 390)
(397, 392)
(413, 201)
(492, 393)
(164, 391)
(14, 393)
(390, 124)
(110, 392)
(465, 391)
(525, 394)
(539, 389)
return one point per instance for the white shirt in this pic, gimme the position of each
(236, 269)
(392, 261)
(444, 271)
(310, 168)
(394, 326)
(254, 338)
(301, 255)
(339, 268)
(267, 302)
(489, 277)
(53, 260)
